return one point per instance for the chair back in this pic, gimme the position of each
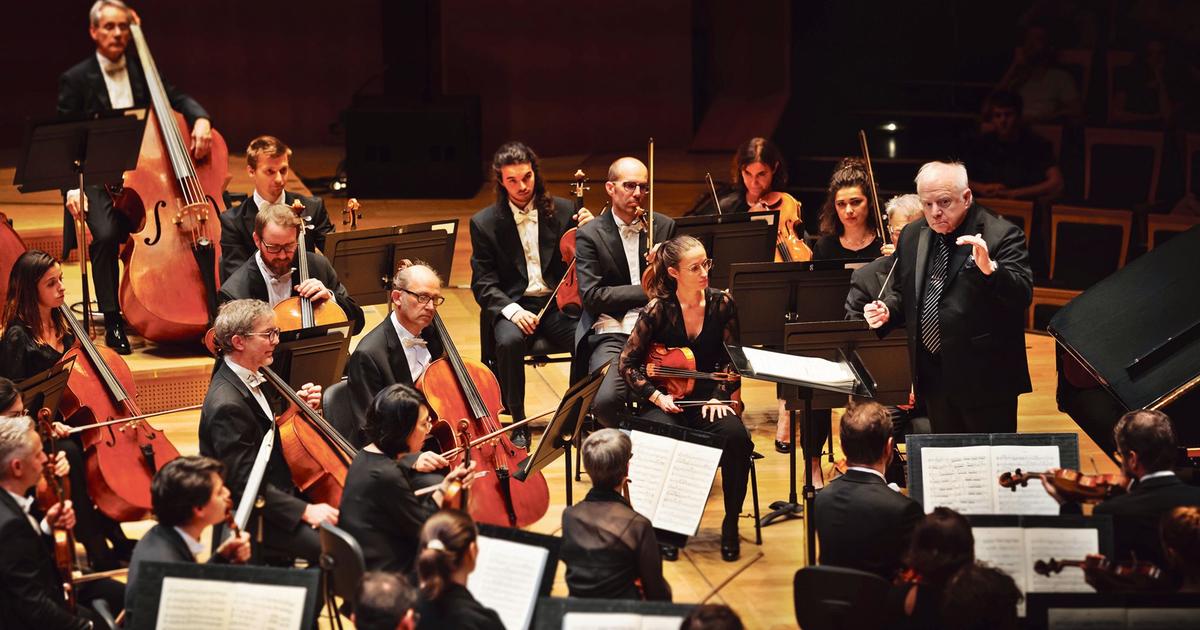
(342, 563)
(1121, 166)
(837, 598)
(335, 403)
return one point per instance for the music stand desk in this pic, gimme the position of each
(366, 260)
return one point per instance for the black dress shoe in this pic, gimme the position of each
(114, 337)
(783, 447)
(670, 553)
(731, 543)
(520, 437)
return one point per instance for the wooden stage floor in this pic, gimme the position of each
(762, 594)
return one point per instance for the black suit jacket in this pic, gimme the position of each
(981, 317)
(379, 361)
(248, 282)
(81, 90)
(237, 229)
(863, 524)
(865, 283)
(30, 590)
(159, 544)
(1136, 515)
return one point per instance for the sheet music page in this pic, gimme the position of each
(1086, 619)
(619, 621)
(1043, 543)
(958, 477)
(192, 604)
(661, 622)
(1162, 618)
(807, 369)
(685, 492)
(1030, 499)
(506, 579)
(1003, 548)
(648, 468)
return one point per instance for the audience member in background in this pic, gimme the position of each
(609, 548)
(941, 545)
(449, 549)
(980, 597)
(1150, 91)
(1049, 92)
(1010, 161)
(1180, 531)
(867, 281)
(712, 617)
(862, 523)
(848, 227)
(385, 602)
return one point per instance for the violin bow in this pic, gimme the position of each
(254, 481)
(713, 189)
(884, 236)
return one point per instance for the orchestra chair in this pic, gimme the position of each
(1160, 227)
(837, 598)
(1103, 235)
(342, 569)
(1121, 166)
(1052, 134)
(541, 353)
(1117, 60)
(335, 404)
(1077, 62)
(1016, 211)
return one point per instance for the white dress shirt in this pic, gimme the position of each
(415, 352)
(254, 381)
(260, 201)
(279, 288)
(630, 236)
(194, 546)
(527, 229)
(893, 486)
(116, 79)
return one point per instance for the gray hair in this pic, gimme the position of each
(237, 318)
(932, 172)
(404, 276)
(16, 440)
(904, 206)
(606, 456)
(98, 6)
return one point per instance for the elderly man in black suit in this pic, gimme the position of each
(964, 282)
(269, 275)
(610, 256)
(400, 348)
(112, 79)
(515, 267)
(188, 495)
(238, 411)
(267, 164)
(862, 523)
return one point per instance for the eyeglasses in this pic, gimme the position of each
(423, 299)
(271, 335)
(275, 249)
(706, 265)
(631, 187)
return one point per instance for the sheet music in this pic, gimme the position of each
(958, 477)
(1085, 619)
(619, 621)
(1075, 543)
(192, 604)
(1030, 499)
(807, 369)
(681, 503)
(507, 577)
(648, 468)
(1161, 618)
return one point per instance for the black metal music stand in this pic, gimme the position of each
(313, 355)
(729, 239)
(770, 295)
(44, 389)
(365, 260)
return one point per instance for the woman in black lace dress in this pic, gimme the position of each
(685, 312)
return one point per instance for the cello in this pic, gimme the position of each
(298, 312)
(121, 457)
(566, 294)
(169, 289)
(11, 248)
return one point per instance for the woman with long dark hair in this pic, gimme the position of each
(940, 546)
(848, 226)
(449, 549)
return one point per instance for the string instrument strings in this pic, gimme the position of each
(880, 223)
(299, 312)
(1072, 485)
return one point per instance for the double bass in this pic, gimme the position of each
(169, 289)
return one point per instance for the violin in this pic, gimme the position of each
(11, 248)
(169, 290)
(674, 371)
(880, 221)
(1072, 485)
(64, 539)
(1107, 576)
(566, 294)
(298, 312)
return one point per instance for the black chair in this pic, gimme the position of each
(342, 569)
(336, 405)
(835, 598)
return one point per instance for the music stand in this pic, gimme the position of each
(770, 295)
(313, 355)
(551, 610)
(740, 237)
(863, 385)
(563, 429)
(228, 579)
(44, 389)
(365, 260)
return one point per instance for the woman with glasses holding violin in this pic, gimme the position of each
(687, 317)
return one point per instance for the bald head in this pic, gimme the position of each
(416, 292)
(626, 167)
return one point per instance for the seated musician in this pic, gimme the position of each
(379, 507)
(848, 227)
(267, 163)
(35, 338)
(31, 589)
(942, 544)
(687, 313)
(515, 267)
(188, 495)
(867, 281)
(400, 347)
(238, 410)
(607, 546)
(386, 601)
(979, 597)
(759, 177)
(270, 274)
(610, 256)
(449, 549)
(1146, 449)
(1180, 530)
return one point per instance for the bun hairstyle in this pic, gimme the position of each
(445, 539)
(668, 256)
(391, 418)
(850, 172)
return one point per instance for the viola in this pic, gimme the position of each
(674, 371)
(566, 294)
(1107, 575)
(1072, 485)
(58, 491)
(297, 312)
(11, 248)
(789, 244)
(169, 289)
(121, 457)
(352, 213)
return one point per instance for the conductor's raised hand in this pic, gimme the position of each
(979, 250)
(876, 313)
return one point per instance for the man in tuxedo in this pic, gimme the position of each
(515, 266)
(270, 275)
(1147, 448)
(267, 163)
(31, 592)
(238, 410)
(610, 256)
(111, 79)
(964, 282)
(400, 348)
(187, 495)
(862, 523)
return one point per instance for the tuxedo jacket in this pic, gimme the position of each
(863, 524)
(981, 317)
(159, 544)
(31, 593)
(1136, 515)
(377, 362)
(81, 90)
(237, 229)
(248, 282)
(865, 283)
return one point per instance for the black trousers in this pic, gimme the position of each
(512, 345)
(948, 416)
(109, 229)
(613, 395)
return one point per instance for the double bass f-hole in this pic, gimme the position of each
(157, 224)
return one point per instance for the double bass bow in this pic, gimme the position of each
(299, 312)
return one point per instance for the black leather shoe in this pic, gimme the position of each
(520, 437)
(114, 337)
(783, 447)
(731, 543)
(670, 553)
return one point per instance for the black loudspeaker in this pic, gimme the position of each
(418, 150)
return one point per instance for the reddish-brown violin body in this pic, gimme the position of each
(53, 490)
(674, 370)
(11, 248)
(317, 455)
(567, 293)
(1072, 485)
